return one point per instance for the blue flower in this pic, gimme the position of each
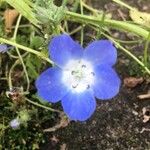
(15, 123)
(4, 48)
(79, 76)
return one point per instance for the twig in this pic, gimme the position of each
(144, 96)
(63, 123)
(144, 129)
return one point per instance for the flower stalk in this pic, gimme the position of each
(92, 20)
(27, 49)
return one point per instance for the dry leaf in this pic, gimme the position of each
(142, 18)
(144, 96)
(10, 16)
(62, 124)
(144, 129)
(146, 114)
(132, 82)
(63, 147)
(54, 139)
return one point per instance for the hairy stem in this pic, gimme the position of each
(95, 21)
(26, 49)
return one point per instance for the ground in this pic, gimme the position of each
(116, 124)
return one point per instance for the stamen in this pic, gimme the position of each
(74, 86)
(79, 76)
(93, 73)
(83, 66)
(88, 86)
(73, 72)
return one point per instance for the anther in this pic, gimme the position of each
(72, 72)
(93, 73)
(74, 86)
(88, 86)
(83, 66)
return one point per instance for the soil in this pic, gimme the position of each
(116, 125)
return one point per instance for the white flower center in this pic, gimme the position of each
(78, 75)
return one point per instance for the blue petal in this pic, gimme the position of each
(62, 48)
(49, 85)
(101, 52)
(107, 82)
(79, 106)
(3, 48)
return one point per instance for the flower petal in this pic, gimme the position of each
(3, 48)
(79, 106)
(107, 82)
(62, 48)
(101, 52)
(50, 86)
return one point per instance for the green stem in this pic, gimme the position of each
(26, 49)
(82, 29)
(10, 73)
(125, 26)
(24, 68)
(42, 106)
(16, 27)
(94, 11)
(146, 50)
(128, 42)
(18, 52)
(128, 53)
(16, 57)
(123, 4)
(75, 5)
(75, 30)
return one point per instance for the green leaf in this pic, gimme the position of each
(2, 126)
(36, 42)
(22, 6)
(51, 13)
(33, 64)
(141, 18)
